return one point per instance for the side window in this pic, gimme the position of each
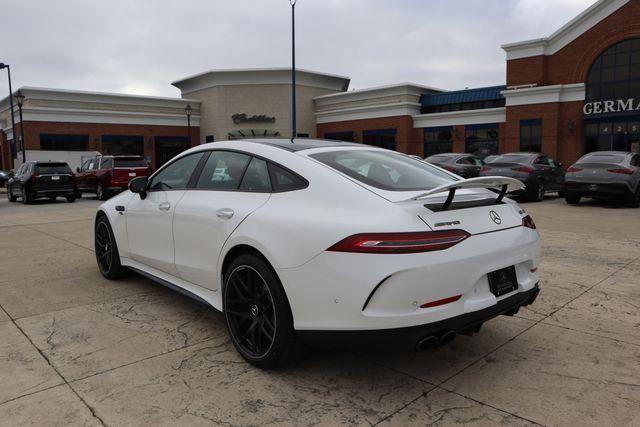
(223, 171)
(477, 161)
(85, 166)
(466, 161)
(283, 180)
(552, 162)
(544, 161)
(176, 176)
(256, 178)
(106, 163)
(635, 160)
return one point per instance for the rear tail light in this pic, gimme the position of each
(527, 221)
(441, 301)
(574, 169)
(625, 171)
(525, 169)
(485, 169)
(400, 243)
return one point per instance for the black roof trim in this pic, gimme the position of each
(302, 144)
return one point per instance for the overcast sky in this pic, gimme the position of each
(141, 46)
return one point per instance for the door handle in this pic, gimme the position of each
(225, 213)
(165, 206)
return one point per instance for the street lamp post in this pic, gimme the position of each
(294, 132)
(13, 120)
(20, 101)
(188, 110)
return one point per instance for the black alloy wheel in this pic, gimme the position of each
(250, 311)
(257, 313)
(572, 198)
(634, 199)
(536, 193)
(106, 250)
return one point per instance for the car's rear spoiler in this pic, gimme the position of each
(504, 183)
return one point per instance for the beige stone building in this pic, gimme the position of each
(257, 102)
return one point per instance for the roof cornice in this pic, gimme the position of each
(566, 34)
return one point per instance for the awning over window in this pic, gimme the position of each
(461, 96)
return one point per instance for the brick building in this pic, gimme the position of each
(575, 91)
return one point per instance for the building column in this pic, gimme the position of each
(458, 137)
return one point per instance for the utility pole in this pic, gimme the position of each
(294, 131)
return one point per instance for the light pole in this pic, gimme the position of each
(294, 132)
(13, 120)
(188, 110)
(20, 101)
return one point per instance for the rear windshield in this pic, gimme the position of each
(47, 168)
(512, 158)
(130, 163)
(602, 158)
(385, 170)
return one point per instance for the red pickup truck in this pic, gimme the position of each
(106, 175)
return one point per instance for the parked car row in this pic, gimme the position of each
(101, 175)
(609, 175)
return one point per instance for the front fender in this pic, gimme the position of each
(117, 220)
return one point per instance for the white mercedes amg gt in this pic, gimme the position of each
(319, 242)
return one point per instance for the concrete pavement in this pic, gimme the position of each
(76, 349)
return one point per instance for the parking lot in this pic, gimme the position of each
(76, 349)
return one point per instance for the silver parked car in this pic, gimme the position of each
(613, 175)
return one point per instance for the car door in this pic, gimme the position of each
(15, 184)
(150, 218)
(557, 173)
(81, 175)
(230, 187)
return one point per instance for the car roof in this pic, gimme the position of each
(299, 144)
(623, 153)
(523, 153)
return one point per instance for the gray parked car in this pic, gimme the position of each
(613, 175)
(465, 165)
(539, 172)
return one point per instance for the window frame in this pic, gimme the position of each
(195, 176)
(529, 124)
(200, 164)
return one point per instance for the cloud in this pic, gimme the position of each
(140, 46)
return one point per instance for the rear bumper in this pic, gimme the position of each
(407, 338)
(346, 291)
(598, 189)
(63, 191)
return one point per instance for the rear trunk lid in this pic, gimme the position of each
(474, 208)
(53, 175)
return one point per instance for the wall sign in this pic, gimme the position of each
(244, 118)
(612, 106)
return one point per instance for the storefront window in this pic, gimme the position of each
(531, 135)
(437, 140)
(482, 140)
(616, 73)
(123, 145)
(383, 138)
(613, 88)
(341, 136)
(58, 142)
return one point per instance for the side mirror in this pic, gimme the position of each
(139, 185)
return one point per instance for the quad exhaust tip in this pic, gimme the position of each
(432, 341)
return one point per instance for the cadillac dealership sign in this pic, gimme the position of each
(606, 107)
(244, 118)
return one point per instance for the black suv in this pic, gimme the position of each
(35, 180)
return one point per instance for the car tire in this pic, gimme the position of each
(26, 198)
(10, 196)
(106, 250)
(537, 191)
(258, 314)
(101, 192)
(572, 198)
(71, 198)
(52, 198)
(633, 200)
